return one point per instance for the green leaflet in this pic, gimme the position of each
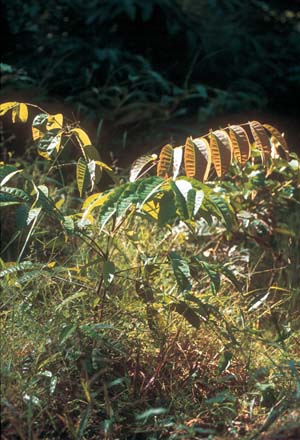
(211, 271)
(167, 209)
(180, 202)
(121, 198)
(9, 194)
(181, 271)
(25, 265)
(223, 209)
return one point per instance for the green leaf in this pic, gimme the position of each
(108, 272)
(224, 210)
(13, 194)
(181, 271)
(22, 212)
(180, 201)
(25, 265)
(187, 312)
(167, 209)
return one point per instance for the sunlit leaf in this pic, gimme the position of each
(6, 106)
(20, 113)
(54, 122)
(261, 140)
(220, 146)
(140, 164)
(197, 158)
(177, 160)
(165, 163)
(278, 141)
(240, 143)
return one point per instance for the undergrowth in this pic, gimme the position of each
(126, 320)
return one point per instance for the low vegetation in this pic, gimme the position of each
(165, 305)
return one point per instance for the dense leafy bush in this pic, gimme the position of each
(166, 307)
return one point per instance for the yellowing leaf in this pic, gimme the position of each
(261, 140)
(55, 121)
(240, 143)
(164, 166)
(82, 137)
(6, 106)
(221, 152)
(197, 158)
(36, 134)
(23, 112)
(151, 208)
(19, 113)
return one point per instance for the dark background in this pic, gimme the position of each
(138, 73)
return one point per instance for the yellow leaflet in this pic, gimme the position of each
(23, 112)
(6, 106)
(90, 200)
(81, 136)
(36, 134)
(55, 121)
(52, 264)
(20, 113)
(103, 165)
(59, 203)
(98, 202)
(151, 209)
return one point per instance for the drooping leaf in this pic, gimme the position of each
(181, 271)
(165, 163)
(109, 270)
(180, 198)
(6, 106)
(261, 140)
(197, 158)
(7, 172)
(240, 143)
(39, 126)
(211, 271)
(221, 151)
(187, 312)
(278, 141)
(83, 139)
(19, 113)
(140, 164)
(194, 201)
(82, 176)
(224, 209)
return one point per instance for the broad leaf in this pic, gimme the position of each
(165, 163)
(20, 113)
(220, 147)
(181, 271)
(240, 143)
(261, 140)
(177, 160)
(140, 164)
(197, 158)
